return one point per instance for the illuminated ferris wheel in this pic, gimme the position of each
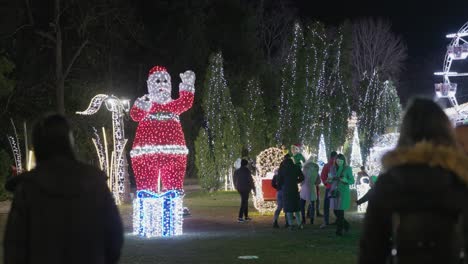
(456, 50)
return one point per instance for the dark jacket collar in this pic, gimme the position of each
(426, 153)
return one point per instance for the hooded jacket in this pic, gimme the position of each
(243, 180)
(416, 207)
(62, 212)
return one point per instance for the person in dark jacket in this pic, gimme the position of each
(279, 201)
(243, 182)
(418, 202)
(289, 176)
(62, 211)
(365, 198)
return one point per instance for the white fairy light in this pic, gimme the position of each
(159, 154)
(456, 50)
(115, 166)
(267, 161)
(382, 145)
(16, 154)
(106, 149)
(158, 215)
(322, 153)
(356, 158)
(288, 83)
(99, 150)
(158, 149)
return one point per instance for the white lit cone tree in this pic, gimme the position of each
(222, 146)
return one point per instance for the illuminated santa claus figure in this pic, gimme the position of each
(159, 148)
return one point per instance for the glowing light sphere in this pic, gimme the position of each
(267, 161)
(159, 153)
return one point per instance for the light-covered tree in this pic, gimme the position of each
(337, 106)
(316, 55)
(254, 121)
(204, 162)
(221, 122)
(292, 90)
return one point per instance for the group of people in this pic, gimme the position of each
(417, 211)
(293, 171)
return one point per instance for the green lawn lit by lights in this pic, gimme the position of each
(212, 235)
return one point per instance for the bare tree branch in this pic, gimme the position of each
(16, 31)
(275, 19)
(75, 56)
(29, 11)
(46, 35)
(375, 47)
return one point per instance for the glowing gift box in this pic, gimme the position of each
(158, 215)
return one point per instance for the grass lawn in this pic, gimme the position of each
(212, 235)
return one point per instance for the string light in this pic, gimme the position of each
(158, 215)
(115, 165)
(16, 154)
(159, 154)
(218, 144)
(288, 86)
(99, 150)
(382, 145)
(322, 153)
(356, 158)
(15, 148)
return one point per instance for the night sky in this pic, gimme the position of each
(423, 26)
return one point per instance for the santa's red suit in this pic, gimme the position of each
(159, 146)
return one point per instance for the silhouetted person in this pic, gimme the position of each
(62, 211)
(244, 183)
(289, 176)
(418, 201)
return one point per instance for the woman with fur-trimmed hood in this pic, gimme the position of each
(422, 195)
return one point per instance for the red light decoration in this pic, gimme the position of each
(157, 69)
(159, 149)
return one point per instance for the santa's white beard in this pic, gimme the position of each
(160, 98)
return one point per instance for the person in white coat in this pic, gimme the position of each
(308, 191)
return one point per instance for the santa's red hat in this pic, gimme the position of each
(157, 68)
